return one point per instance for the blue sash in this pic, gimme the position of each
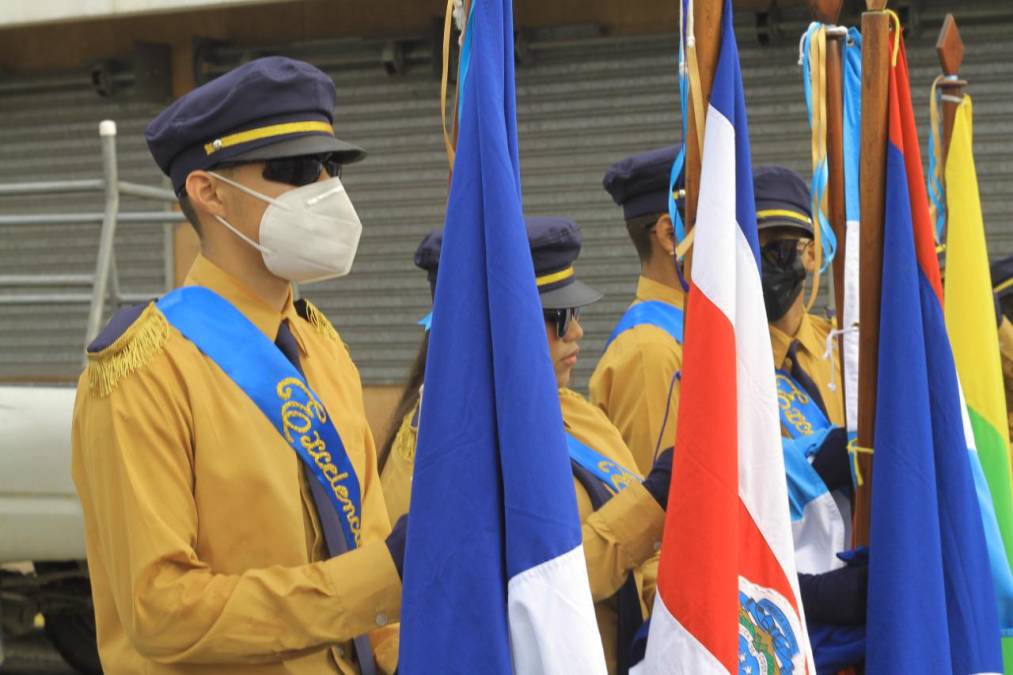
(668, 318)
(611, 473)
(259, 368)
(800, 414)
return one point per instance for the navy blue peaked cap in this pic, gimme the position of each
(640, 183)
(427, 256)
(555, 244)
(1002, 277)
(268, 108)
(782, 199)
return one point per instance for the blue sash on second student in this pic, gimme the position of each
(278, 389)
(668, 318)
(614, 475)
(800, 414)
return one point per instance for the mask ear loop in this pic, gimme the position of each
(259, 247)
(252, 193)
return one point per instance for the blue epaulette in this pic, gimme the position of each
(129, 341)
(117, 326)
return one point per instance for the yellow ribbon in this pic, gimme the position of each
(552, 278)
(447, 23)
(854, 449)
(818, 74)
(784, 213)
(269, 131)
(896, 36)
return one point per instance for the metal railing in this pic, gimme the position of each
(105, 280)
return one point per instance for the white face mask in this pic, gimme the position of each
(307, 234)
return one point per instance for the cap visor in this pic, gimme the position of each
(308, 144)
(577, 294)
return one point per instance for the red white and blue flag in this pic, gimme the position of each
(931, 603)
(495, 580)
(728, 598)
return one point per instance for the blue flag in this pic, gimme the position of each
(494, 577)
(931, 604)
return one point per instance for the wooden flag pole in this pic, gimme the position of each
(827, 12)
(875, 93)
(707, 32)
(950, 49)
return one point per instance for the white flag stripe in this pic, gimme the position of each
(713, 268)
(848, 324)
(763, 486)
(553, 599)
(673, 650)
(820, 532)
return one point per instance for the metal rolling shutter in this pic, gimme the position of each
(584, 101)
(49, 131)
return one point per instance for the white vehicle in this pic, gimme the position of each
(42, 556)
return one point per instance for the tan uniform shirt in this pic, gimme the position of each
(812, 355)
(204, 548)
(632, 381)
(620, 537)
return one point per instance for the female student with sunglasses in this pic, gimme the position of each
(622, 514)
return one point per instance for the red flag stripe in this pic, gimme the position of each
(708, 605)
(904, 134)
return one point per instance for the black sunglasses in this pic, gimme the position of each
(780, 252)
(561, 319)
(301, 170)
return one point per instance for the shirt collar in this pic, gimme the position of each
(806, 335)
(648, 289)
(207, 274)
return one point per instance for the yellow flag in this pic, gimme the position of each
(971, 325)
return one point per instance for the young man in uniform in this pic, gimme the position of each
(811, 402)
(232, 508)
(636, 381)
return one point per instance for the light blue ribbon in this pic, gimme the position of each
(820, 177)
(223, 334)
(465, 60)
(668, 318)
(852, 122)
(614, 475)
(800, 414)
(680, 156)
(935, 185)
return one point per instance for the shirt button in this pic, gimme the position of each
(341, 651)
(657, 546)
(381, 619)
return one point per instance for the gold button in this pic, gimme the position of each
(217, 144)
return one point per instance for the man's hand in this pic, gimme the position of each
(396, 543)
(660, 478)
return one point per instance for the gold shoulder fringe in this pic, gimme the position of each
(321, 323)
(133, 350)
(407, 437)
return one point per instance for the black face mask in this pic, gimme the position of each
(782, 276)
